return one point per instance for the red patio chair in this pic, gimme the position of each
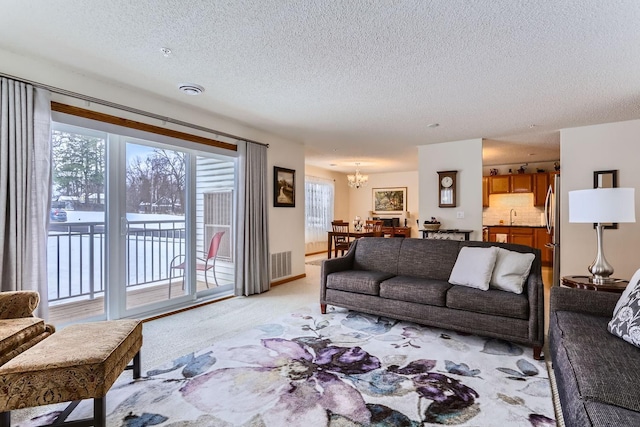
(204, 263)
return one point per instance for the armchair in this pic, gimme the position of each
(19, 329)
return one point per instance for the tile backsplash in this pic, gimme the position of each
(522, 203)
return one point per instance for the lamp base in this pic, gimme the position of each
(598, 280)
(600, 269)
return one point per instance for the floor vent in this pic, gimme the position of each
(280, 265)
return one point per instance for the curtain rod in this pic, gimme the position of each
(128, 109)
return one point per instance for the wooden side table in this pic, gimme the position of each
(584, 282)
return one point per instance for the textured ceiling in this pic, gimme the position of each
(359, 81)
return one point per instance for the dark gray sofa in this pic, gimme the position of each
(407, 279)
(596, 372)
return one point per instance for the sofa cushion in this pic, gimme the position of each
(358, 281)
(473, 267)
(414, 289)
(626, 320)
(426, 258)
(377, 253)
(511, 270)
(495, 302)
(603, 366)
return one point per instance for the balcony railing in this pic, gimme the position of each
(76, 256)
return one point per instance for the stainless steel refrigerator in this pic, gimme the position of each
(552, 222)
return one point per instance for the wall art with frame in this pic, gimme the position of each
(284, 187)
(389, 201)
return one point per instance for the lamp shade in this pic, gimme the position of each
(602, 205)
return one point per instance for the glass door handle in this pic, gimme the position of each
(124, 226)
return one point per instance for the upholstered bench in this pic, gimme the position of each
(79, 362)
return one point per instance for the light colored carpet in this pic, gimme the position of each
(341, 369)
(198, 328)
(230, 323)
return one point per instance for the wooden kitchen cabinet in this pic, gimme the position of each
(521, 183)
(522, 236)
(536, 237)
(517, 235)
(499, 184)
(542, 238)
(517, 183)
(485, 191)
(540, 186)
(494, 231)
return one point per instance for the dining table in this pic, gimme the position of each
(348, 234)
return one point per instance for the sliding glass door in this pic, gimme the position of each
(149, 225)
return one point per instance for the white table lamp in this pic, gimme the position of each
(600, 206)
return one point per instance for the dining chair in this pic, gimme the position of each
(340, 243)
(203, 263)
(374, 225)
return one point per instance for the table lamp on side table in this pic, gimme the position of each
(601, 206)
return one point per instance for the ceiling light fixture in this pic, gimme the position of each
(433, 125)
(357, 180)
(190, 88)
(165, 51)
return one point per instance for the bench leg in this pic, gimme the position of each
(5, 419)
(135, 366)
(100, 412)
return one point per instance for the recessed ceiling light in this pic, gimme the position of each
(190, 88)
(531, 126)
(433, 125)
(165, 51)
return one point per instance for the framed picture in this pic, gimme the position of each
(606, 179)
(284, 187)
(390, 200)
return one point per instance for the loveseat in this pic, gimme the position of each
(596, 372)
(408, 279)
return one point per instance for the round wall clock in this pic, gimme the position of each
(447, 189)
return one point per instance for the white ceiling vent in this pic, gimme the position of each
(190, 88)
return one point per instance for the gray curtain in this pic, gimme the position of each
(252, 275)
(25, 188)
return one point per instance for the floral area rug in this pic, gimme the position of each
(342, 369)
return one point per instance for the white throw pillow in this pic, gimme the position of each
(473, 267)
(624, 298)
(626, 317)
(511, 270)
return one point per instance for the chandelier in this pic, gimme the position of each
(357, 180)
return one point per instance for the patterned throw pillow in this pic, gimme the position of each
(626, 319)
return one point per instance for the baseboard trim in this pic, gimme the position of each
(289, 279)
(315, 253)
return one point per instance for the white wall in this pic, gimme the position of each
(584, 150)
(466, 158)
(361, 199)
(286, 225)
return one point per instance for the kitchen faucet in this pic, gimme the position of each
(514, 213)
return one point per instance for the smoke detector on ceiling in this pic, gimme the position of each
(190, 88)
